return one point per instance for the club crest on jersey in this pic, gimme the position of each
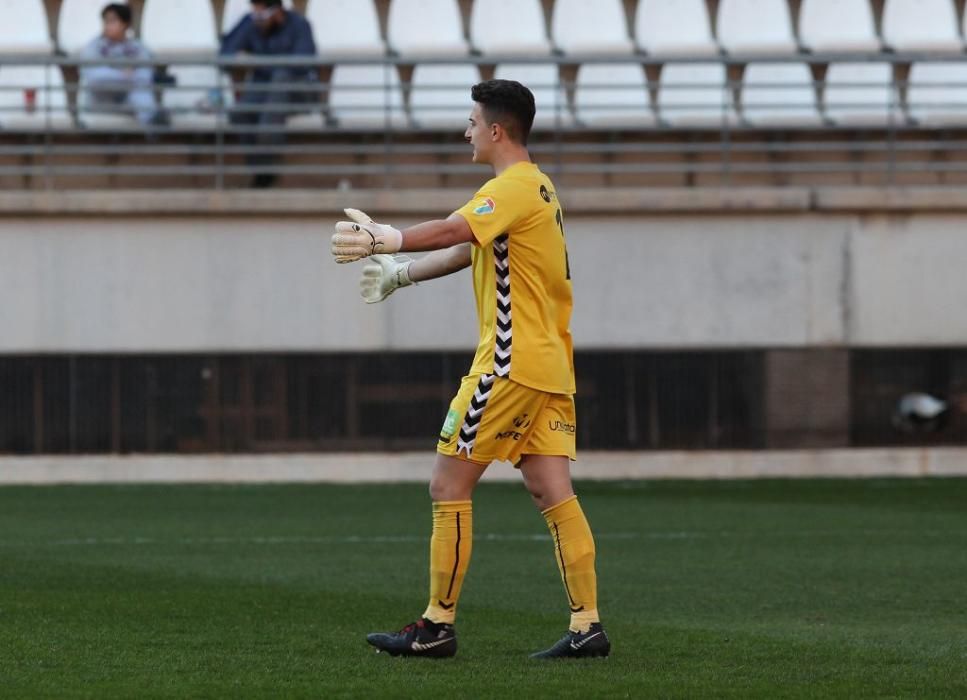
(487, 207)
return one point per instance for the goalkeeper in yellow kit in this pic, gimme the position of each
(516, 402)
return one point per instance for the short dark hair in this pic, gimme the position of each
(268, 3)
(120, 9)
(508, 103)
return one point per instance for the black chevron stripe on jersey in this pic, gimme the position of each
(504, 330)
(475, 411)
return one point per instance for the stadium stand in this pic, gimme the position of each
(665, 90)
(346, 27)
(837, 26)
(694, 94)
(438, 33)
(29, 32)
(612, 95)
(779, 94)
(601, 28)
(937, 94)
(522, 30)
(674, 28)
(921, 25)
(750, 27)
(861, 94)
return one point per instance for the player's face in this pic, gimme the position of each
(479, 134)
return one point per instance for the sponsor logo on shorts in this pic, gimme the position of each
(486, 207)
(561, 427)
(521, 422)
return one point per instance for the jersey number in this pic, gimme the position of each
(560, 222)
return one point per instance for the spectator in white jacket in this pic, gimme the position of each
(120, 89)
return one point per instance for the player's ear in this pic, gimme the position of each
(495, 130)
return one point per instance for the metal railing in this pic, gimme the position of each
(383, 123)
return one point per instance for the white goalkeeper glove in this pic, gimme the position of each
(363, 237)
(383, 276)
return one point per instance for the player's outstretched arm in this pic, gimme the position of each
(363, 237)
(440, 263)
(434, 235)
(387, 273)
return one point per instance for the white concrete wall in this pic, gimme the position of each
(415, 466)
(261, 283)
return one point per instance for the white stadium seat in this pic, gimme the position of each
(937, 93)
(543, 80)
(694, 94)
(837, 25)
(79, 23)
(598, 27)
(521, 30)
(755, 27)
(860, 93)
(674, 28)
(194, 86)
(440, 95)
(426, 28)
(179, 27)
(346, 27)
(612, 95)
(103, 120)
(921, 25)
(32, 97)
(779, 94)
(305, 121)
(25, 28)
(366, 96)
(234, 10)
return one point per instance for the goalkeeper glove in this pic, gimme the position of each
(363, 237)
(384, 276)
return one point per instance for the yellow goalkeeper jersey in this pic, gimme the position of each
(522, 280)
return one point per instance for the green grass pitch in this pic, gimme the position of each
(708, 589)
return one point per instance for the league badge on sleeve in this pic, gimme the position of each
(487, 207)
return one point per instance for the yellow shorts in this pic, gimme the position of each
(492, 418)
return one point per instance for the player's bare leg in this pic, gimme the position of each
(454, 479)
(433, 635)
(548, 479)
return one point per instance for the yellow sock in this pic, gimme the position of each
(574, 549)
(450, 548)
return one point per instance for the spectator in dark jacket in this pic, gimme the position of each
(271, 94)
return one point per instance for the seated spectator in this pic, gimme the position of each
(118, 88)
(271, 93)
